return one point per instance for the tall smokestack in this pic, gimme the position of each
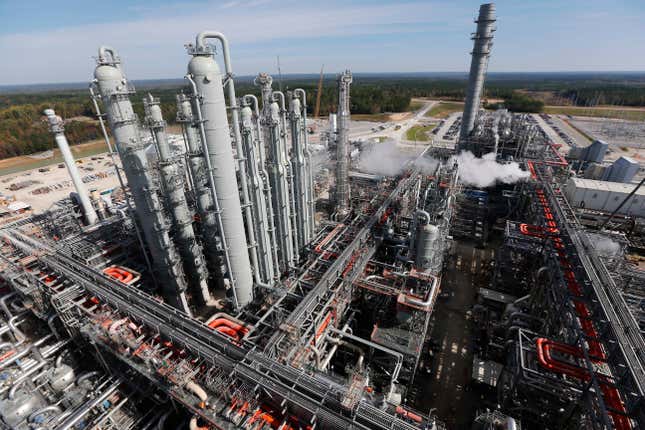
(483, 38)
(58, 130)
(342, 145)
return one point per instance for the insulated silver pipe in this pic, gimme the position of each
(276, 164)
(483, 38)
(174, 191)
(115, 91)
(310, 193)
(58, 130)
(278, 97)
(84, 409)
(201, 187)
(299, 168)
(260, 215)
(265, 180)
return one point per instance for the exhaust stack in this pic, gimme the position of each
(483, 38)
(342, 146)
(58, 130)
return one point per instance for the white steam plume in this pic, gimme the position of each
(486, 171)
(387, 159)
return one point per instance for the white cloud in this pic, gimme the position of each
(151, 46)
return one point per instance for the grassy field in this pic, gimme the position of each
(444, 109)
(19, 164)
(420, 133)
(599, 112)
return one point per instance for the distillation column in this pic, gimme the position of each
(301, 165)
(203, 196)
(58, 130)
(276, 162)
(483, 38)
(342, 146)
(174, 191)
(115, 92)
(251, 141)
(207, 77)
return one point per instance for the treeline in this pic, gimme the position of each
(518, 102)
(607, 95)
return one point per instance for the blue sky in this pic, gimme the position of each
(55, 41)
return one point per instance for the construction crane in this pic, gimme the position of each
(320, 83)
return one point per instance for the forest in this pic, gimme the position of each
(24, 131)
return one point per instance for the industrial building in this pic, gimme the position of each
(605, 196)
(215, 291)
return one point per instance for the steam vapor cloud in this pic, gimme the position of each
(388, 160)
(486, 171)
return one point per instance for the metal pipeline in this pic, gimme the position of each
(3, 304)
(78, 415)
(194, 426)
(87, 375)
(198, 391)
(263, 272)
(278, 97)
(47, 409)
(265, 180)
(311, 198)
(24, 352)
(397, 355)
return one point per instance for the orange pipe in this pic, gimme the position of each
(319, 248)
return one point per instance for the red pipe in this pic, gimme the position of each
(610, 394)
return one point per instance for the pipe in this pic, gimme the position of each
(52, 325)
(162, 421)
(211, 228)
(198, 391)
(24, 352)
(311, 198)
(278, 96)
(194, 426)
(87, 375)
(189, 249)
(264, 270)
(268, 199)
(47, 409)
(57, 128)
(3, 303)
(80, 412)
(276, 162)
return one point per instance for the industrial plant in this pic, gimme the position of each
(232, 282)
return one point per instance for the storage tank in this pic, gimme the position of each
(427, 236)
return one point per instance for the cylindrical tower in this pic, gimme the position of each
(58, 130)
(208, 78)
(251, 142)
(203, 195)
(483, 38)
(300, 166)
(426, 246)
(276, 164)
(342, 145)
(115, 93)
(174, 193)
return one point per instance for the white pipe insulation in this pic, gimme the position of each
(58, 130)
